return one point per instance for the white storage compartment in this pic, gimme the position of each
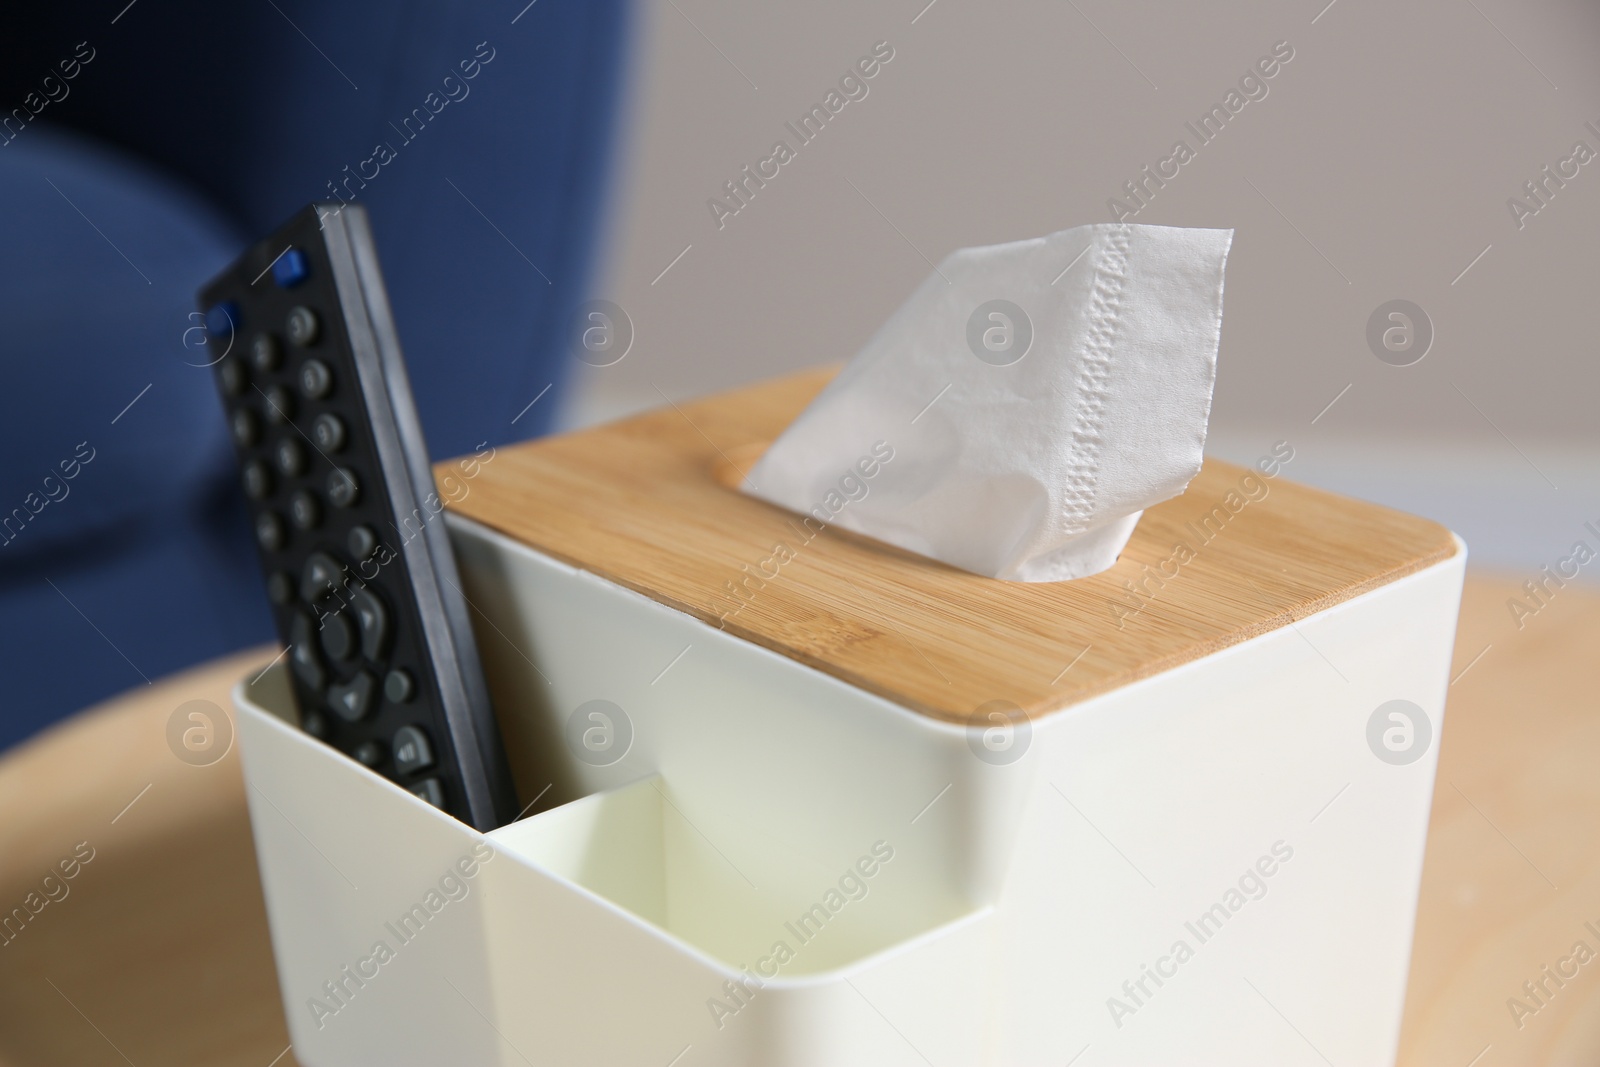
(932, 907)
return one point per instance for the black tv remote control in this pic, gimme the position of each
(363, 585)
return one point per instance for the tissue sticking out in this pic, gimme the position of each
(1039, 395)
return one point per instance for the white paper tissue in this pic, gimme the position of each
(1017, 414)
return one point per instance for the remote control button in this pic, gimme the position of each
(328, 430)
(362, 542)
(303, 659)
(304, 511)
(290, 456)
(430, 790)
(265, 355)
(290, 269)
(343, 489)
(373, 620)
(411, 750)
(233, 376)
(246, 426)
(316, 380)
(280, 588)
(222, 320)
(352, 700)
(399, 687)
(313, 723)
(269, 531)
(302, 326)
(338, 636)
(257, 480)
(280, 404)
(368, 753)
(320, 577)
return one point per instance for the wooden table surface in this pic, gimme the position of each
(158, 952)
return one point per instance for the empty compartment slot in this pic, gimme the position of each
(636, 848)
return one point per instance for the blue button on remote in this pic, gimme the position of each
(222, 319)
(290, 269)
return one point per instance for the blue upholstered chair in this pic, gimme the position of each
(142, 146)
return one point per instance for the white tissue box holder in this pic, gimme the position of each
(937, 907)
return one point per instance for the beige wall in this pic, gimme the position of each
(1378, 166)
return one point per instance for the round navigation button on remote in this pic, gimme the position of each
(269, 531)
(328, 431)
(372, 618)
(280, 588)
(412, 752)
(290, 456)
(303, 658)
(257, 480)
(352, 700)
(368, 753)
(280, 404)
(343, 489)
(430, 790)
(265, 355)
(304, 510)
(302, 326)
(313, 723)
(316, 380)
(338, 636)
(233, 376)
(362, 542)
(246, 427)
(320, 577)
(398, 686)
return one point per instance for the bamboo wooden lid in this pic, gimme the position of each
(649, 503)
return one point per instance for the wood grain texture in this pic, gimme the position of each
(163, 946)
(1512, 874)
(647, 503)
